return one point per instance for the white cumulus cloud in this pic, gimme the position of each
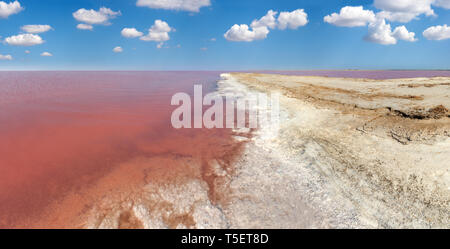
(418, 6)
(93, 17)
(408, 10)
(293, 19)
(259, 28)
(403, 17)
(404, 10)
(439, 32)
(243, 33)
(159, 32)
(380, 32)
(118, 49)
(401, 33)
(46, 54)
(186, 5)
(84, 26)
(6, 57)
(11, 8)
(24, 40)
(36, 29)
(268, 20)
(131, 33)
(350, 16)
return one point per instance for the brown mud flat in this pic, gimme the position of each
(379, 148)
(384, 103)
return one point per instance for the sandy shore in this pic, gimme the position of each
(350, 153)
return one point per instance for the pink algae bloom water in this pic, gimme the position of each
(62, 131)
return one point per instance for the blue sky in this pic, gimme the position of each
(342, 43)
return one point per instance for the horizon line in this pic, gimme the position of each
(207, 70)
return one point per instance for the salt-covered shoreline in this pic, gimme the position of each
(278, 188)
(326, 168)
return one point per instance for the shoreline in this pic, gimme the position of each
(320, 171)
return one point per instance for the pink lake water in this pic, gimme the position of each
(368, 74)
(63, 131)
